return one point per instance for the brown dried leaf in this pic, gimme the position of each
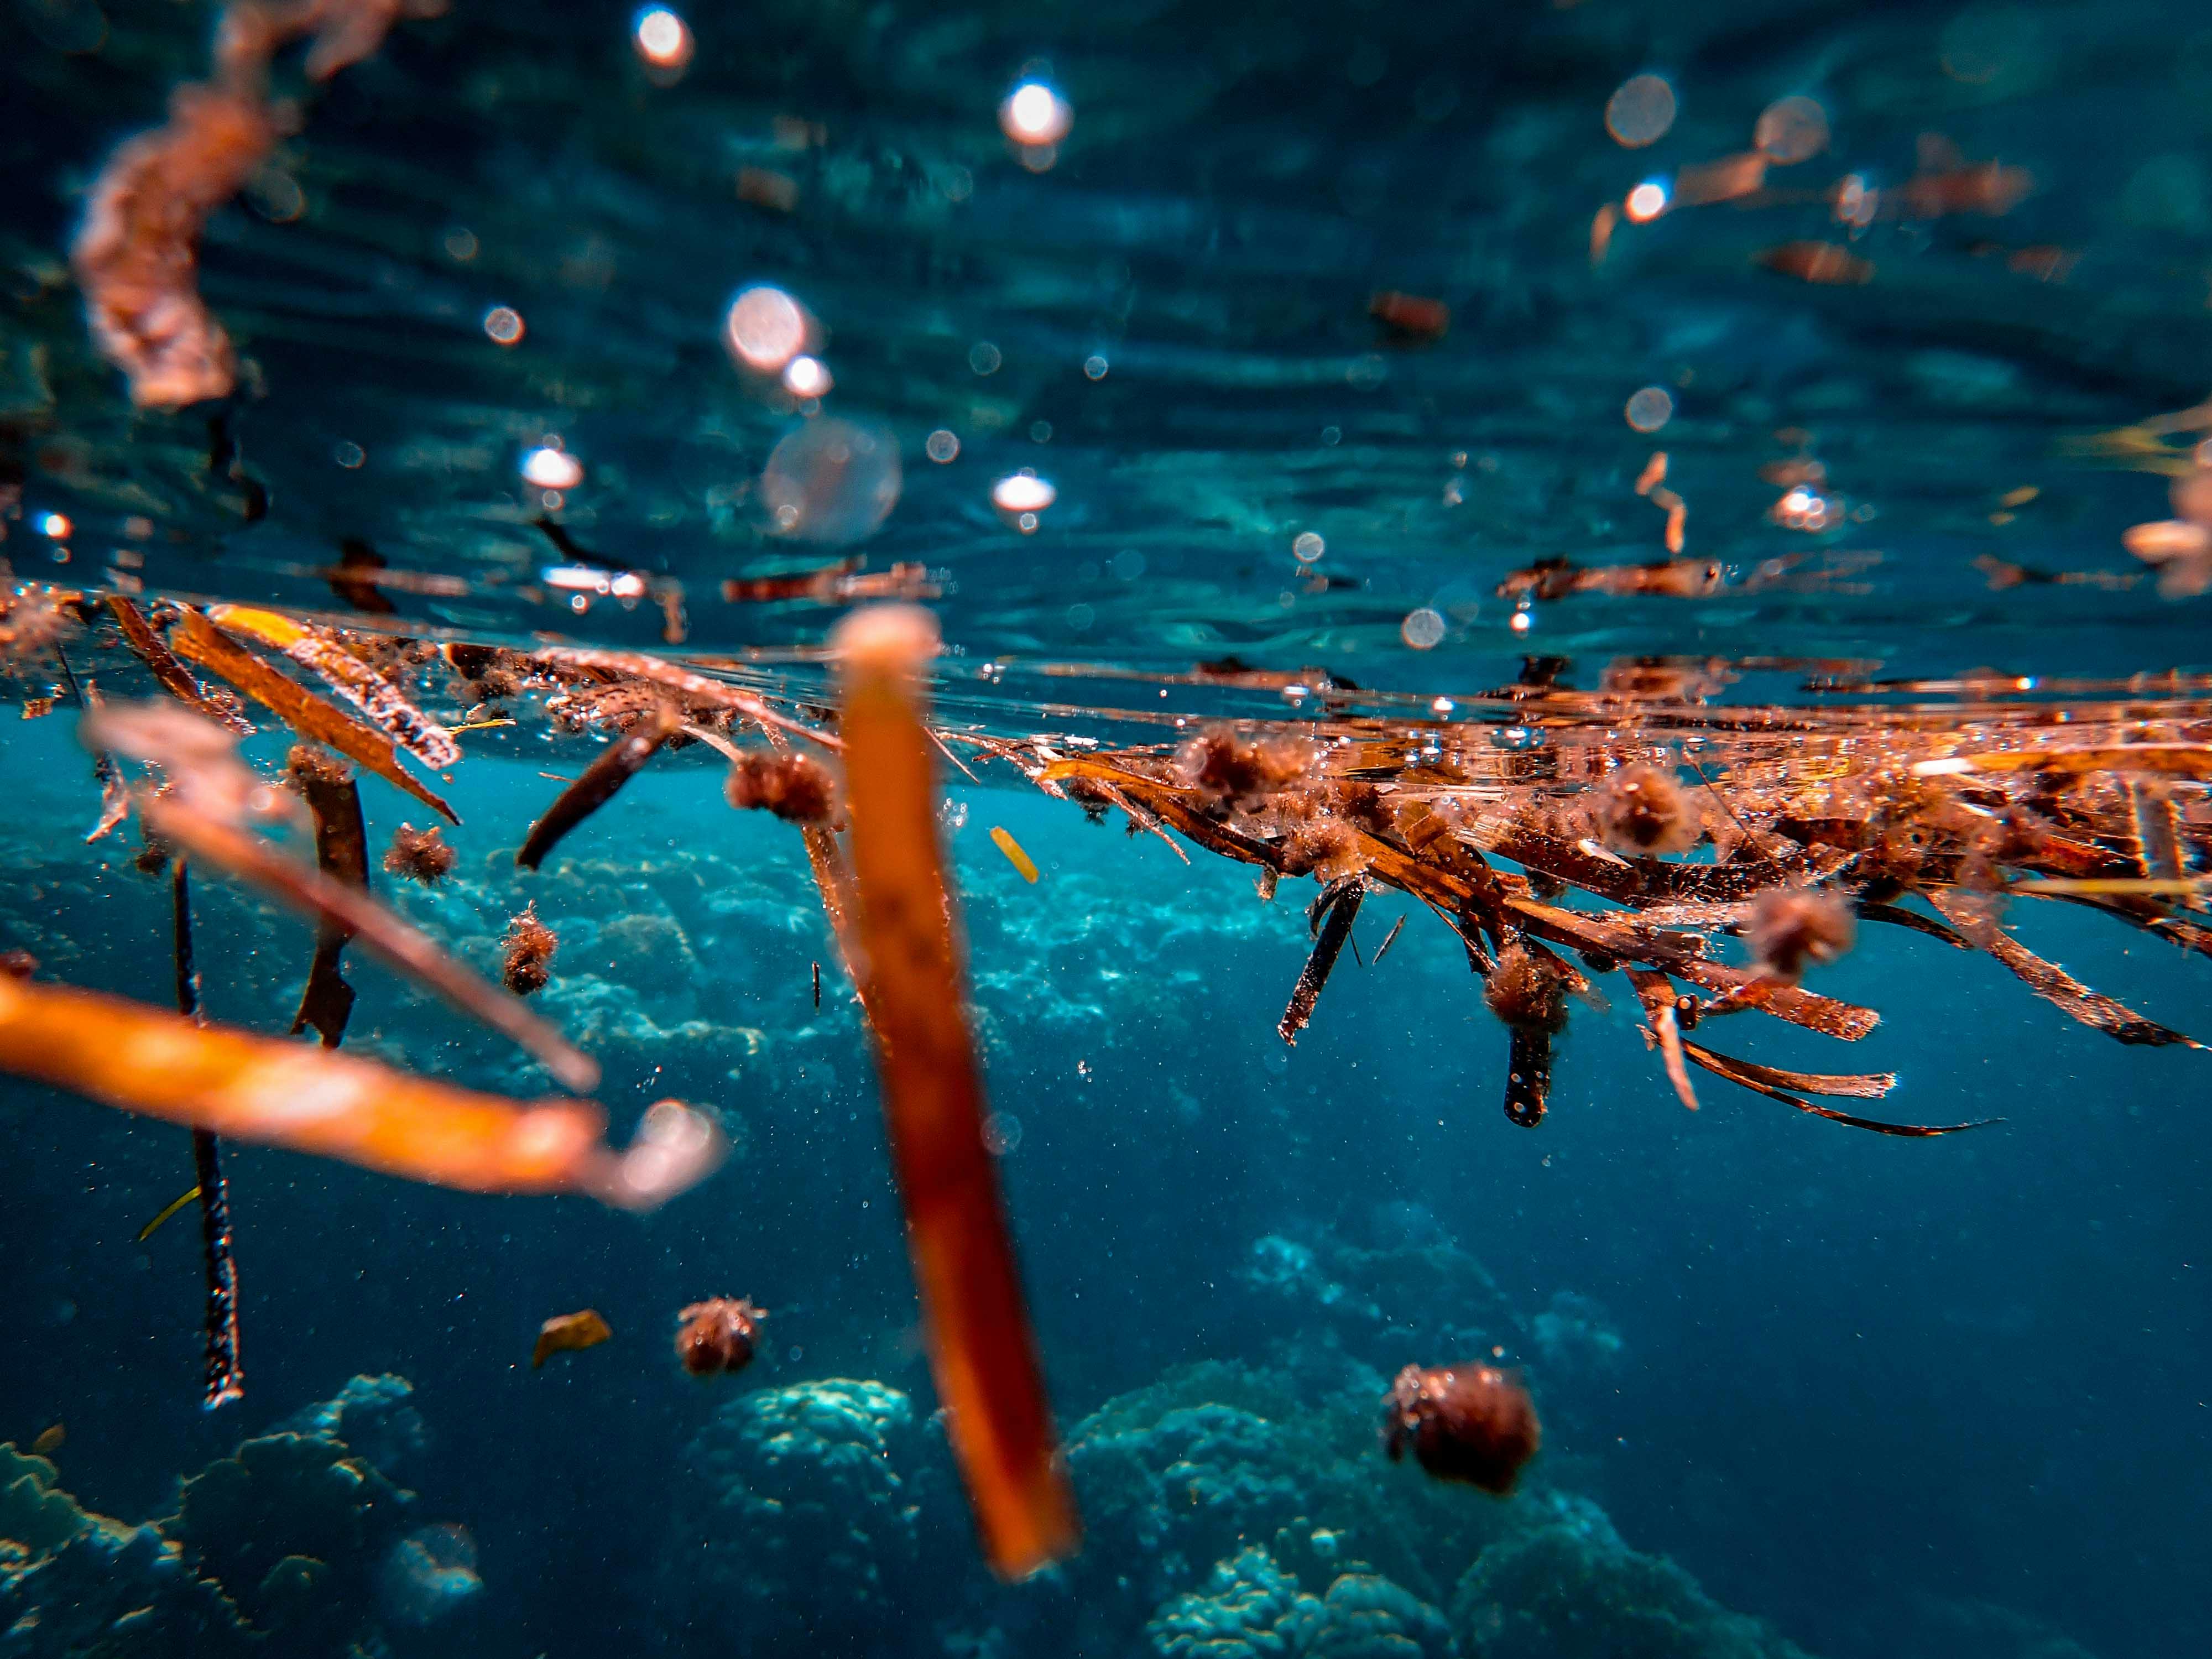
(309, 716)
(569, 1332)
(2054, 985)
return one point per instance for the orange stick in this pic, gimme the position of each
(237, 1085)
(982, 1350)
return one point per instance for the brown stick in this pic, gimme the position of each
(982, 1351)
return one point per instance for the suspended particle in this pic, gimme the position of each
(1651, 409)
(942, 446)
(1308, 547)
(56, 526)
(503, 324)
(1423, 629)
(350, 456)
(1640, 111)
(984, 357)
(1094, 368)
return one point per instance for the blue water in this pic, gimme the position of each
(1856, 1386)
(1804, 1391)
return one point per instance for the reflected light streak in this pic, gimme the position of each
(552, 467)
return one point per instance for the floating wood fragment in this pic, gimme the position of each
(342, 854)
(689, 686)
(1021, 860)
(1759, 1080)
(210, 785)
(1331, 918)
(381, 703)
(982, 1351)
(309, 716)
(1388, 940)
(2055, 986)
(149, 648)
(321, 1100)
(570, 1332)
(2173, 760)
(614, 766)
(1663, 1030)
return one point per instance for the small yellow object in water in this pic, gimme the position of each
(50, 1440)
(1012, 849)
(168, 1210)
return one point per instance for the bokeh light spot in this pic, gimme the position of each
(1640, 111)
(1651, 409)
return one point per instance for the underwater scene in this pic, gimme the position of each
(1145, 830)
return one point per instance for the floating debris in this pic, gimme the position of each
(1021, 860)
(280, 1093)
(420, 854)
(982, 1351)
(167, 1210)
(717, 1335)
(795, 788)
(50, 1440)
(621, 762)
(526, 952)
(342, 854)
(570, 1332)
(1473, 1423)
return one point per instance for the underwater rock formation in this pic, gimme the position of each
(1252, 1609)
(1568, 1588)
(1184, 1473)
(73, 1583)
(280, 1547)
(1384, 1306)
(803, 1522)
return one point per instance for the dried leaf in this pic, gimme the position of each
(302, 709)
(2054, 985)
(381, 703)
(1757, 1079)
(614, 766)
(342, 854)
(569, 1334)
(1332, 916)
(150, 649)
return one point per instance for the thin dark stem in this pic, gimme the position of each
(226, 1377)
